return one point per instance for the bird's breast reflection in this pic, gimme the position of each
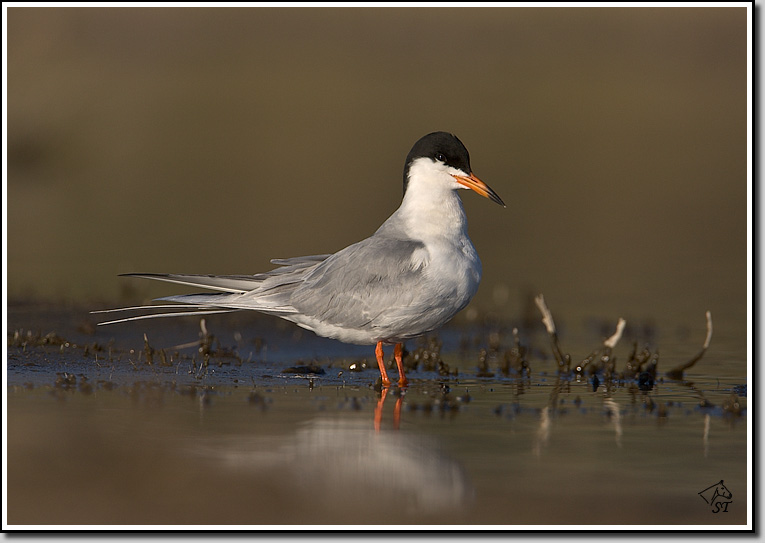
(348, 461)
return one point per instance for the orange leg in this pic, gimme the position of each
(381, 364)
(402, 380)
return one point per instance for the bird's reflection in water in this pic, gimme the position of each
(342, 462)
(396, 409)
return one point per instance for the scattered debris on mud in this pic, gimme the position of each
(500, 356)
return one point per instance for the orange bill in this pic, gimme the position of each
(472, 182)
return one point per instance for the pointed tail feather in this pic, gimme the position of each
(145, 307)
(237, 284)
(266, 292)
(163, 315)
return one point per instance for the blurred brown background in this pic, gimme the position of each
(209, 140)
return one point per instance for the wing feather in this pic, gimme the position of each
(363, 285)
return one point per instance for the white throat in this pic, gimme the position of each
(431, 208)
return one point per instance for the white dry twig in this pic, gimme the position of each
(709, 330)
(614, 339)
(547, 318)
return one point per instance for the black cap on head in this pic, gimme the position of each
(439, 146)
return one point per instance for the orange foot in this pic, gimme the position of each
(381, 364)
(397, 353)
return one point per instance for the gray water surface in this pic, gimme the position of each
(281, 431)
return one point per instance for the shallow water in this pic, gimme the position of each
(97, 435)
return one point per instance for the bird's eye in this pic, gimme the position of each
(440, 157)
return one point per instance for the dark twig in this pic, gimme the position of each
(677, 373)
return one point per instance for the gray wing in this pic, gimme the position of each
(366, 285)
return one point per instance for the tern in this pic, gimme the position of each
(410, 277)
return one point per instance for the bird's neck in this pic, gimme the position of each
(430, 215)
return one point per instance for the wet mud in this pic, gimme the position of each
(183, 423)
